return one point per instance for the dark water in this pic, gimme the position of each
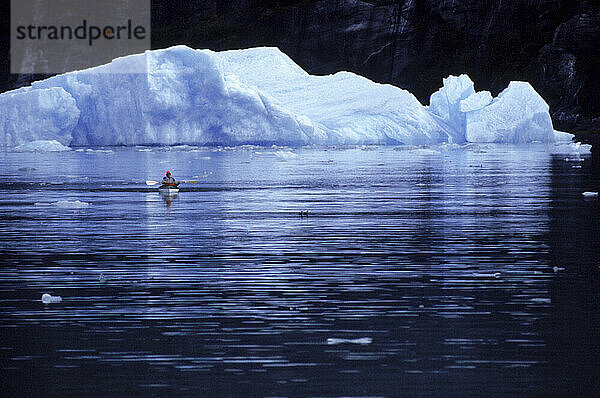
(416, 273)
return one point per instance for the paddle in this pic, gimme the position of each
(150, 182)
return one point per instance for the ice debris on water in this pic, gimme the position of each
(49, 299)
(259, 96)
(285, 155)
(362, 340)
(71, 204)
(42, 146)
(65, 204)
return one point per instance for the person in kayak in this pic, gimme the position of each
(169, 182)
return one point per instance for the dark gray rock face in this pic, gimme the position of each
(568, 70)
(554, 44)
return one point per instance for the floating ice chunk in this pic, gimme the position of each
(42, 146)
(518, 115)
(477, 148)
(577, 159)
(362, 340)
(589, 194)
(98, 151)
(561, 136)
(48, 299)
(285, 155)
(475, 101)
(425, 151)
(71, 204)
(571, 148)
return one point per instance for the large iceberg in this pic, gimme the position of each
(257, 96)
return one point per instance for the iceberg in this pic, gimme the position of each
(257, 96)
(517, 115)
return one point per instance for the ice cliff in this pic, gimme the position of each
(257, 96)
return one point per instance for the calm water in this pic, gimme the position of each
(416, 273)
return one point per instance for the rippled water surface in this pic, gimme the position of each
(424, 272)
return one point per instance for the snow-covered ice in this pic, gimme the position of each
(258, 96)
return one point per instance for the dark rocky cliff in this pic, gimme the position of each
(554, 44)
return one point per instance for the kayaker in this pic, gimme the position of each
(169, 181)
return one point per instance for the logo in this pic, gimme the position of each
(58, 36)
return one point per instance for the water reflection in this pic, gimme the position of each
(417, 273)
(168, 198)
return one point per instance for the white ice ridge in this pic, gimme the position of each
(257, 96)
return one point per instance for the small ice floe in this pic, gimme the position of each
(285, 155)
(362, 340)
(589, 194)
(425, 151)
(99, 151)
(70, 204)
(472, 147)
(571, 148)
(65, 204)
(417, 149)
(42, 146)
(48, 299)
(368, 148)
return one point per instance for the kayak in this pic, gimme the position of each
(168, 190)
